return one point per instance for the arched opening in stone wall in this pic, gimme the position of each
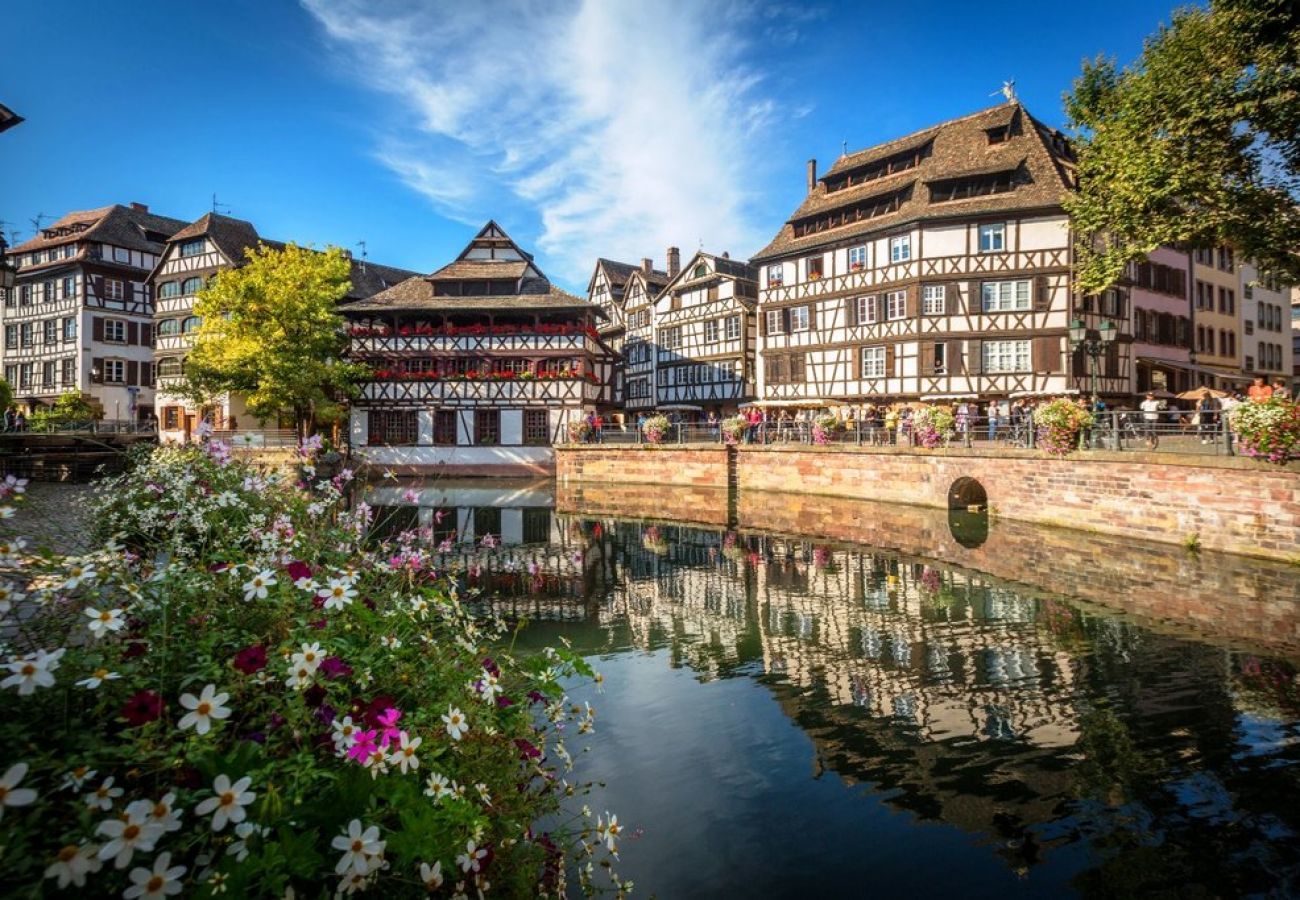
(966, 493)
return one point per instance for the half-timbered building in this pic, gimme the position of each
(606, 290)
(639, 348)
(193, 256)
(477, 368)
(80, 317)
(934, 265)
(705, 336)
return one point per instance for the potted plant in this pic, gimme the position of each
(655, 429)
(1268, 429)
(1059, 423)
(932, 426)
(733, 429)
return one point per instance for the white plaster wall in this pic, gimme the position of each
(1042, 234)
(949, 240)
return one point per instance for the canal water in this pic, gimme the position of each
(947, 706)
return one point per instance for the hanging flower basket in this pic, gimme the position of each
(1059, 423)
(655, 429)
(1268, 430)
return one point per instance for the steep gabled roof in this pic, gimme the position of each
(719, 267)
(1039, 157)
(233, 237)
(121, 226)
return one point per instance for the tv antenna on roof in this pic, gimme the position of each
(1008, 91)
(36, 221)
(844, 148)
(219, 209)
(362, 245)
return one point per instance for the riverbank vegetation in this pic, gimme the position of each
(240, 693)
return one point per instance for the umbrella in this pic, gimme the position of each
(1200, 392)
(1160, 395)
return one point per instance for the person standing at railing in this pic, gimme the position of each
(1207, 417)
(891, 425)
(1280, 390)
(992, 412)
(1151, 409)
(598, 428)
(1260, 390)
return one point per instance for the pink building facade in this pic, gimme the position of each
(1162, 325)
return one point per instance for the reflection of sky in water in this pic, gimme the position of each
(783, 718)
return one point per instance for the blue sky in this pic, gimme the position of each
(586, 128)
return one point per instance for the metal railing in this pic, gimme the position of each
(89, 426)
(1168, 431)
(257, 439)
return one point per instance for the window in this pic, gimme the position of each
(775, 322)
(993, 238)
(813, 267)
(47, 374)
(69, 328)
(940, 357)
(537, 427)
(774, 278)
(487, 426)
(444, 427)
(1250, 364)
(857, 258)
(115, 371)
(69, 288)
(25, 295)
(672, 338)
(169, 327)
(537, 525)
(25, 375)
(169, 289)
(896, 305)
(1227, 300)
(934, 300)
(1006, 356)
(397, 427)
(113, 289)
(711, 331)
(1226, 261)
(25, 332)
(51, 331)
(115, 331)
(732, 330)
(8, 296)
(873, 362)
(191, 248)
(190, 324)
(973, 186)
(866, 310)
(799, 319)
(487, 520)
(11, 336)
(11, 375)
(69, 366)
(191, 285)
(171, 418)
(900, 248)
(121, 254)
(1003, 296)
(170, 367)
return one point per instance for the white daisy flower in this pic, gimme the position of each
(472, 858)
(437, 786)
(133, 831)
(228, 803)
(431, 875)
(10, 793)
(310, 657)
(299, 677)
(165, 814)
(32, 671)
(98, 677)
(79, 574)
(74, 780)
(345, 735)
(361, 849)
(73, 863)
(338, 593)
(162, 880)
(244, 831)
(103, 796)
(404, 756)
(10, 550)
(255, 588)
(104, 621)
(208, 705)
(390, 642)
(457, 725)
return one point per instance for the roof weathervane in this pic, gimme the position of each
(1008, 91)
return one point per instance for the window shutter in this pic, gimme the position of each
(1111, 369)
(953, 357)
(914, 300)
(132, 333)
(785, 320)
(798, 372)
(762, 322)
(851, 312)
(146, 374)
(1047, 354)
(975, 357)
(889, 360)
(1078, 364)
(146, 335)
(96, 328)
(950, 299)
(97, 365)
(927, 358)
(1042, 294)
(132, 372)
(858, 356)
(812, 316)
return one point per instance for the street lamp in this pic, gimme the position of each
(1094, 344)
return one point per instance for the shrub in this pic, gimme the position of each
(733, 429)
(824, 426)
(1268, 429)
(932, 426)
(241, 692)
(1059, 423)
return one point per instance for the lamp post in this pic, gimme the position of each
(1093, 342)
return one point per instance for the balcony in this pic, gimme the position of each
(483, 392)
(365, 344)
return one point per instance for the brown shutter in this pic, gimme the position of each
(851, 312)
(132, 333)
(1111, 369)
(762, 322)
(927, 357)
(812, 316)
(96, 328)
(1047, 354)
(857, 362)
(1042, 294)
(146, 335)
(950, 299)
(785, 320)
(889, 360)
(953, 356)
(97, 365)
(914, 299)
(798, 370)
(975, 357)
(132, 372)
(1078, 364)
(146, 374)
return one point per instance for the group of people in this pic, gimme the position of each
(15, 419)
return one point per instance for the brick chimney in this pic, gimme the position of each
(140, 207)
(812, 175)
(647, 265)
(674, 262)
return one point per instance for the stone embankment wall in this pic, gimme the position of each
(1224, 503)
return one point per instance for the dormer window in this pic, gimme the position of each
(999, 135)
(701, 271)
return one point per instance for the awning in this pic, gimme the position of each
(1067, 392)
(686, 407)
(812, 403)
(950, 396)
(1192, 367)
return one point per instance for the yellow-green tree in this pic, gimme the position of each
(271, 333)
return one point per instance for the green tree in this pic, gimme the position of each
(73, 408)
(1196, 143)
(6, 395)
(270, 332)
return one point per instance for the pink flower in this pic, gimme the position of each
(364, 746)
(388, 719)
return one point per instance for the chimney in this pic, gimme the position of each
(812, 175)
(674, 262)
(647, 265)
(726, 254)
(140, 207)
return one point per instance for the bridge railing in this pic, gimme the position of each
(258, 439)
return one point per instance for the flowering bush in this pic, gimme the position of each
(1059, 423)
(733, 429)
(655, 429)
(242, 692)
(1269, 429)
(579, 431)
(932, 426)
(824, 427)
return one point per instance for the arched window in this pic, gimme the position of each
(170, 367)
(169, 289)
(191, 323)
(700, 271)
(169, 326)
(192, 285)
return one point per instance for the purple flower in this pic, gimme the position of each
(334, 668)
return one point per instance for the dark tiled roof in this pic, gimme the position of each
(616, 273)
(417, 294)
(369, 279)
(121, 226)
(233, 237)
(957, 148)
(483, 269)
(8, 118)
(736, 268)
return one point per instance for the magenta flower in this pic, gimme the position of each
(251, 659)
(388, 719)
(364, 746)
(334, 668)
(298, 570)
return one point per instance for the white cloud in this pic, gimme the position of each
(623, 126)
